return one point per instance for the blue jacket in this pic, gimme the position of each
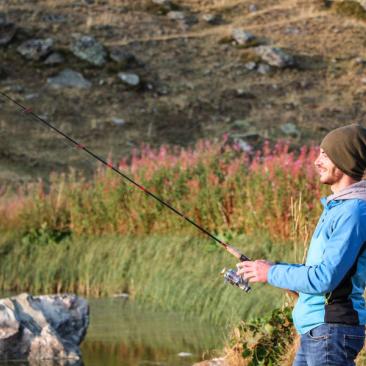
(332, 281)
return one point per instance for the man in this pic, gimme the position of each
(330, 313)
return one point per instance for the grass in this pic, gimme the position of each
(173, 273)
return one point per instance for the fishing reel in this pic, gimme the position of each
(234, 279)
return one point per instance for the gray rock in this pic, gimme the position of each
(7, 32)
(250, 65)
(69, 78)
(290, 129)
(129, 78)
(177, 15)
(54, 18)
(87, 48)
(292, 30)
(253, 8)
(243, 145)
(54, 58)
(42, 327)
(263, 69)
(213, 19)
(275, 56)
(165, 4)
(36, 49)
(119, 122)
(122, 57)
(162, 2)
(242, 37)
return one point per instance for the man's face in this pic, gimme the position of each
(329, 173)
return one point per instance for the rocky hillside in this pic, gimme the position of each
(118, 73)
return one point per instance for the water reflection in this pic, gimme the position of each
(122, 333)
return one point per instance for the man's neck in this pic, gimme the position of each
(344, 182)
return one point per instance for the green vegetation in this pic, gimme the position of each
(180, 273)
(104, 237)
(264, 341)
(350, 8)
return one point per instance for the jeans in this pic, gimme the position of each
(330, 344)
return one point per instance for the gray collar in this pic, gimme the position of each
(354, 191)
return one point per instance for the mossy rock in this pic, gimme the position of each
(350, 8)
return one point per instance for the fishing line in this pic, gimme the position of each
(90, 153)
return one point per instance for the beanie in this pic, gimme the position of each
(346, 147)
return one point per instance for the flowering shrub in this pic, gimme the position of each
(215, 184)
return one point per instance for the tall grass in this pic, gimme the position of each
(174, 273)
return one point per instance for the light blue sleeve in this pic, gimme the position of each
(341, 251)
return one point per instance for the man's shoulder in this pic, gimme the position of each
(352, 209)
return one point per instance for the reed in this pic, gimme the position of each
(172, 273)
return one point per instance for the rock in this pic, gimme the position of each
(242, 37)
(42, 327)
(69, 78)
(292, 30)
(275, 56)
(31, 96)
(87, 48)
(182, 16)
(185, 354)
(119, 122)
(176, 15)
(264, 69)
(54, 58)
(122, 57)
(290, 129)
(253, 8)
(250, 65)
(166, 5)
(243, 145)
(36, 49)
(129, 78)
(7, 32)
(54, 18)
(213, 19)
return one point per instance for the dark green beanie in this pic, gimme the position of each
(346, 147)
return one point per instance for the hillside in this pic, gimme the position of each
(184, 77)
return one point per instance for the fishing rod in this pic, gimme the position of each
(230, 275)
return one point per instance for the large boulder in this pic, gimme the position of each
(42, 327)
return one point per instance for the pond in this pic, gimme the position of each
(125, 334)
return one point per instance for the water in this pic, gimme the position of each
(125, 334)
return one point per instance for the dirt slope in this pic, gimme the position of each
(195, 82)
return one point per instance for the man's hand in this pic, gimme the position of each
(256, 271)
